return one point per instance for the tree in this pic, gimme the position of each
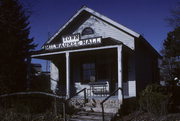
(174, 20)
(170, 67)
(15, 44)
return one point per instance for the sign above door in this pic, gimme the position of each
(73, 41)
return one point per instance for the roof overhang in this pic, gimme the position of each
(45, 54)
(98, 15)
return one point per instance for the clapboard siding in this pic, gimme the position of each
(105, 30)
(139, 60)
(132, 88)
(125, 88)
(146, 62)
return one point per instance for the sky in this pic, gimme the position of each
(146, 17)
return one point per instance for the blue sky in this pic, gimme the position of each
(146, 17)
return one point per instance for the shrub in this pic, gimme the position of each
(154, 100)
(34, 103)
(129, 106)
(12, 115)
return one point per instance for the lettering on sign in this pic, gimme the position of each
(71, 38)
(73, 41)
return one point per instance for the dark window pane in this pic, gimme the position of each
(87, 31)
(88, 72)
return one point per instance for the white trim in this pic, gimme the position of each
(99, 16)
(78, 50)
(67, 76)
(112, 22)
(64, 26)
(119, 61)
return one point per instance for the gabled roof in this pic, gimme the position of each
(98, 15)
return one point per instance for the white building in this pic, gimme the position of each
(91, 50)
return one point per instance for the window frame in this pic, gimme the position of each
(83, 81)
(86, 31)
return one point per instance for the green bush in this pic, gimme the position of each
(129, 105)
(13, 115)
(34, 103)
(154, 100)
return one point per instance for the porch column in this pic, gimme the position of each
(54, 76)
(67, 76)
(119, 61)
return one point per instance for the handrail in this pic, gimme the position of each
(64, 103)
(108, 98)
(30, 93)
(84, 89)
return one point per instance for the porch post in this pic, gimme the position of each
(54, 76)
(67, 76)
(119, 61)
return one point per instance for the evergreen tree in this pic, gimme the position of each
(170, 67)
(174, 19)
(15, 45)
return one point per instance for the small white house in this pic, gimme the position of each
(95, 52)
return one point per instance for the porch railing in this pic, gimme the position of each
(67, 100)
(108, 98)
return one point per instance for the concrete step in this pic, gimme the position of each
(74, 119)
(92, 111)
(99, 109)
(91, 116)
(98, 118)
(95, 102)
(86, 113)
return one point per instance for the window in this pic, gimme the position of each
(87, 31)
(102, 72)
(88, 72)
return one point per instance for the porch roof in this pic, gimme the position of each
(106, 42)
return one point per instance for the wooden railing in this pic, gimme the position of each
(67, 100)
(33, 93)
(108, 98)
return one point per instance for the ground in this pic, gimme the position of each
(141, 116)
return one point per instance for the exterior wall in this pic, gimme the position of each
(105, 30)
(131, 67)
(131, 75)
(137, 63)
(125, 88)
(146, 64)
(54, 76)
(104, 57)
(141, 63)
(132, 88)
(129, 72)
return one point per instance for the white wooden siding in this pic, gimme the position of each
(132, 88)
(105, 30)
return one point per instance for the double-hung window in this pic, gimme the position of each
(88, 72)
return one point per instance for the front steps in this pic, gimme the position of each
(91, 116)
(112, 105)
(92, 110)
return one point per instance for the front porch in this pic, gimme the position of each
(101, 70)
(93, 68)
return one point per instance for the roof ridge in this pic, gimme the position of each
(107, 19)
(94, 13)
